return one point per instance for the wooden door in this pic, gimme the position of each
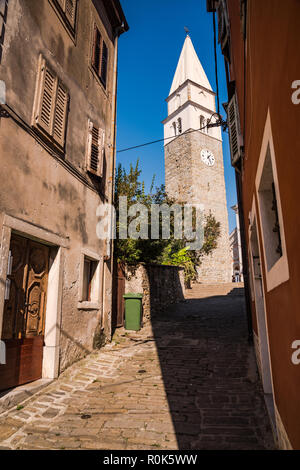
(24, 312)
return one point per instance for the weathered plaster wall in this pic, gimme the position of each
(40, 30)
(53, 193)
(160, 285)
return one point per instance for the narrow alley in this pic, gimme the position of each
(188, 381)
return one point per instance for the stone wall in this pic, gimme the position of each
(160, 285)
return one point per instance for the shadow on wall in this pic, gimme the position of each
(210, 374)
(163, 286)
(3, 17)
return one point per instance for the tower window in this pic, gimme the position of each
(179, 125)
(174, 128)
(202, 124)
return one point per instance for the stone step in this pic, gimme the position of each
(210, 290)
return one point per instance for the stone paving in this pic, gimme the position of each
(188, 381)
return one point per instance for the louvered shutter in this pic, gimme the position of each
(60, 114)
(95, 150)
(235, 137)
(96, 50)
(101, 151)
(221, 22)
(70, 11)
(104, 58)
(46, 102)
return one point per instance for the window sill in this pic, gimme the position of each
(65, 23)
(278, 274)
(99, 81)
(48, 139)
(86, 305)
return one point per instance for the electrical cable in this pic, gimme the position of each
(160, 140)
(219, 121)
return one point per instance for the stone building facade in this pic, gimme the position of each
(194, 171)
(57, 137)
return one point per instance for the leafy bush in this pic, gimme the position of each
(161, 251)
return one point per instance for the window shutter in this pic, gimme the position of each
(96, 50)
(104, 63)
(221, 22)
(235, 137)
(223, 28)
(95, 150)
(48, 82)
(101, 151)
(60, 114)
(71, 11)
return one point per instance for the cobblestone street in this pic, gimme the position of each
(189, 381)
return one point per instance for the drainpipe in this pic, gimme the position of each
(109, 242)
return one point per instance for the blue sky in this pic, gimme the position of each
(148, 56)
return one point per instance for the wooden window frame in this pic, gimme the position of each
(279, 272)
(92, 300)
(52, 93)
(89, 270)
(100, 63)
(95, 152)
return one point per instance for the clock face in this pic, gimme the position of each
(207, 157)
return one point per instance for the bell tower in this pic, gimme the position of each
(194, 171)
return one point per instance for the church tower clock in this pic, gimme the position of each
(194, 171)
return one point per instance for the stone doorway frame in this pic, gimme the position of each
(58, 246)
(258, 295)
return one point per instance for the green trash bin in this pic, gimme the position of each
(133, 311)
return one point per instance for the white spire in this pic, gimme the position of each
(189, 67)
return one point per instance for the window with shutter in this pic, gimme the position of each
(223, 28)
(44, 117)
(96, 50)
(67, 10)
(51, 104)
(60, 114)
(235, 137)
(100, 56)
(104, 63)
(95, 149)
(70, 10)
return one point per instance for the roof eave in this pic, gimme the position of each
(116, 16)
